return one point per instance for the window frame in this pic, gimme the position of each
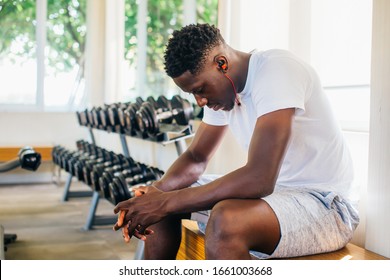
(41, 45)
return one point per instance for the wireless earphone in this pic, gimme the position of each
(223, 67)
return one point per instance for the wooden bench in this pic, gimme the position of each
(192, 248)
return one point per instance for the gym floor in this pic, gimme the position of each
(49, 229)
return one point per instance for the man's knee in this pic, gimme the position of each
(249, 221)
(224, 232)
(224, 220)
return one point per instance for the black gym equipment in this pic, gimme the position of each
(127, 118)
(28, 159)
(104, 171)
(120, 187)
(114, 115)
(152, 119)
(151, 115)
(108, 176)
(118, 163)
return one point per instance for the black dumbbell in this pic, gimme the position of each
(56, 154)
(117, 162)
(67, 156)
(104, 118)
(85, 152)
(83, 166)
(127, 116)
(121, 185)
(109, 174)
(114, 115)
(149, 119)
(96, 117)
(77, 162)
(99, 170)
(128, 120)
(29, 159)
(82, 117)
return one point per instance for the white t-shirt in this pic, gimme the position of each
(317, 155)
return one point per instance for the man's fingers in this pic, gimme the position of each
(121, 217)
(136, 192)
(116, 227)
(139, 235)
(129, 230)
(122, 213)
(144, 235)
(125, 233)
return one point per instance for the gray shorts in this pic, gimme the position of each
(311, 221)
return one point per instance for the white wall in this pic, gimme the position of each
(245, 27)
(358, 145)
(39, 129)
(378, 199)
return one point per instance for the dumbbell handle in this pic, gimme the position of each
(168, 114)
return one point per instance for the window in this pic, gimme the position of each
(43, 43)
(148, 25)
(334, 36)
(341, 53)
(64, 62)
(17, 52)
(41, 54)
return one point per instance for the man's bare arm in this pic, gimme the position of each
(254, 180)
(192, 163)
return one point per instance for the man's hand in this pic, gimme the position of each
(137, 213)
(125, 230)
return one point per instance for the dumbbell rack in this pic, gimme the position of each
(146, 127)
(92, 218)
(67, 192)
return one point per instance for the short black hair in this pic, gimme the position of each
(188, 47)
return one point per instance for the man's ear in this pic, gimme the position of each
(222, 63)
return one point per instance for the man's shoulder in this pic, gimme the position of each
(274, 55)
(279, 61)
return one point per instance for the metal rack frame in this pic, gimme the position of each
(93, 219)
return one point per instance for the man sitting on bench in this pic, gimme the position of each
(291, 198)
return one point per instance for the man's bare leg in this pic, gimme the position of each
(237, 226)
(165, 242)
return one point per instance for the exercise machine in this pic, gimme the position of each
(27, 158)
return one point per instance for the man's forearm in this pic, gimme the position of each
(182, 173)
(242, 183)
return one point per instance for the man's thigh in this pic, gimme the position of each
(247, 223)
(311, 222)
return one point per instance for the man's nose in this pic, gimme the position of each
(201, 101)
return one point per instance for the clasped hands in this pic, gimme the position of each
(139, 212)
